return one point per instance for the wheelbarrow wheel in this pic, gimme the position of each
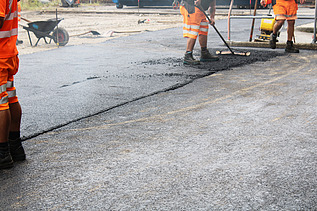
(119, 6)
(63, 36)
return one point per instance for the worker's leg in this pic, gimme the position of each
(190, 31)
(203, 36)
(190, 44)
(291, 17)
(290, 29)
(14, 105)
(188, 58)
(205, 54)
(5, 119)
(280, 10)
(5, 157)
(16, 114)
(290, 33)
(273, 37)
(16, 148)
(285, 10)
(277, 26)
(203, 41)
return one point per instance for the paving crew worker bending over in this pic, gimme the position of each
(196, 26)
(10, 111)
(284, 10)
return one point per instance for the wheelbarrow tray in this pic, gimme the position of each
(43, 29)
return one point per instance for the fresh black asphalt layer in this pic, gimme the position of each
(75, 82)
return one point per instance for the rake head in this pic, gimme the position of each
(233, 53)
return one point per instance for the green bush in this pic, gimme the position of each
(36, 4)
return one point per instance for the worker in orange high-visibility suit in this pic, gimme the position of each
(195, 25)
(10, 110)
(284, 10)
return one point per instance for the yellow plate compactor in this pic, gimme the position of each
(266, 29)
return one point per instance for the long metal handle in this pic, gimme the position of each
(57, 40)
(253, 21)
(215, 29)
(314, 40)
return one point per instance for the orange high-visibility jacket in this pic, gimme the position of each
(9, 30)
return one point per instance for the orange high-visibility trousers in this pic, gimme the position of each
(285, 10)
(8, 68)
(194, 24)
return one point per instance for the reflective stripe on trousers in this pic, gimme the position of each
(11, 93)
(4, 100)
(3, 89)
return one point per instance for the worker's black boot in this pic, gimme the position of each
(273, 40)
(290, 47)
(5, 157)
(16, 150)
(207, 57)
(189, 59)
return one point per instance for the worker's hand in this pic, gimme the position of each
(212, 20)
(302, 1)
(197, 2)
(263, 3)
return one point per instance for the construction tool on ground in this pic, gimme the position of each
(224, 41)
(93, 33)
(147, 20)
(110, 33)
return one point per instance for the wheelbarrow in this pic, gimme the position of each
(47, 29)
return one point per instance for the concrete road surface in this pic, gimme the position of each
(137, 130)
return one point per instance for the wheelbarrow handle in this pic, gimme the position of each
(26, 20)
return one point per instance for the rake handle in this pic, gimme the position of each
(224, 41)
(253, 21)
